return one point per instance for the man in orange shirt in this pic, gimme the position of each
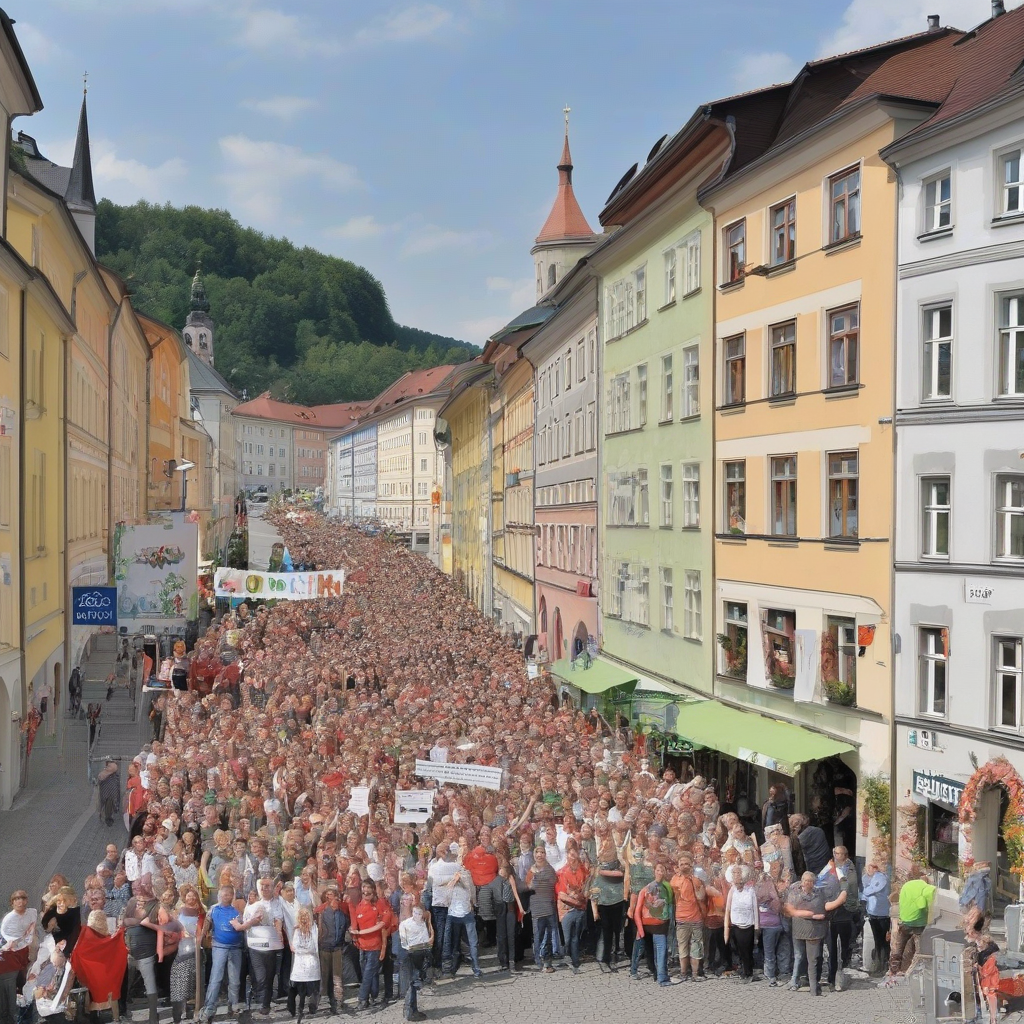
(367, 928)
(571, 890)
(691, 901)
(482, 866)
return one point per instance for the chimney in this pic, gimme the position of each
(933, 23)
(998, 7)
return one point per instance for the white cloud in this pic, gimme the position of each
(432, 238)
(478, 331)
(420, 21)
(360, 229)
(756, 70)
(259, 174)
(865, 22)
(38, 48)
(267, 29)
(121, 179)
(287, 108)
(522, 292)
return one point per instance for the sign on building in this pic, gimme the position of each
(155, 570)
(94, 606)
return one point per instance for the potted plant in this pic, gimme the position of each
(735, 649)
(782, 680)
(838, 692)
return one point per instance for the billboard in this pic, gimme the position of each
(94, 606)
(278, 586)
(155, 570)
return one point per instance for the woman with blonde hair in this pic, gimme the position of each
(191, 917)
(51, 892)
(305, 973)
(63, 919)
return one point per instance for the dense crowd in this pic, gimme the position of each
(249, 872)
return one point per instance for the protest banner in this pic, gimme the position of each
(278, 586)
(460, 774)
(413, 806)
(359, 801)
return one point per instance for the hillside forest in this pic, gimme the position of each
(308, 327)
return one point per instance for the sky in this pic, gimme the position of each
(418, 139)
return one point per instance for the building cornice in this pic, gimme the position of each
(995, 412)
(1009, 250)
(974, 569)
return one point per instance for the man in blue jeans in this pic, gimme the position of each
(572, 903)
(225, 922)
(542, 879)
(460, 921)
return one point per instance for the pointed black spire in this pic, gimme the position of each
(80, 191)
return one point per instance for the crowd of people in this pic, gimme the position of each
(253, 873)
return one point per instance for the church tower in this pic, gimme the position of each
(566, 236)
(198, 332)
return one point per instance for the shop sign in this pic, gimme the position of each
(94, 606)
(978, 592)
(938, 789)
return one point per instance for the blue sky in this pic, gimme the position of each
(416, 138)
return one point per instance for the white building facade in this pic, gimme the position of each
(959, 545)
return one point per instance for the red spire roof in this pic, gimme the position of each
(566, 219)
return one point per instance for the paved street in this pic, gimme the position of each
(262, 537)
(53, 825)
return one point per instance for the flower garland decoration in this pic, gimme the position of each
(997, 772)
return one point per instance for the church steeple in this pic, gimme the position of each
(80, 194)
(198, 330)
(566, 236)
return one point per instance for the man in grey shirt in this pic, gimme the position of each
(541, 878)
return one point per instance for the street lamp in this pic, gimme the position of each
(183, 468)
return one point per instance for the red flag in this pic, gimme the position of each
(99, 962)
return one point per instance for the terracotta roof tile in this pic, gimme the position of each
(566, 219)
(267, 408)
(339, 414)
(413, 384)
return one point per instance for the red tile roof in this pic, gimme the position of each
(267, 408)
(413, 384)
(566, 219)
(340, 414)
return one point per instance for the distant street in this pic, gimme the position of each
(262, 537)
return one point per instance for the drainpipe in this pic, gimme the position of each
(22, 447)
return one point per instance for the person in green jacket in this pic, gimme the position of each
(916, 899)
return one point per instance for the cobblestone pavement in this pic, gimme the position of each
(53, 825)
(596, 998)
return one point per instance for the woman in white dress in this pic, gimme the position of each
(305, 975)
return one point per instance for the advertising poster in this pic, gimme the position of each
(155, 570)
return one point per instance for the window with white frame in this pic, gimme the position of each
(783, 356)
(933, 658)
(641, 387)
(691, 495)
(735, 251)
(844, 346)
(844, 205)
(666, 494)
(1009, 516)
(628, 498)
(670, 275)
(581, 361)
(935, 511)
(666, 388)
(839, 652)
(938, 352)
(667, 613)
(691, 265)
(938, 202)
(691, 381)
(735, 474)
(631, 593)
(784, 495)
(626, 303)
(843, 479)
(1011, 345)
(618, 404)
(735, 358)
(591, 426)
(693, 618)
(733, 641)
(1013, 185)
(1007, 682)
(783, 227)
(640, 290)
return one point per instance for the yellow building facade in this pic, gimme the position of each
(803, 439)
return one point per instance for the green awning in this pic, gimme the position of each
(601, 676)
(749, 736)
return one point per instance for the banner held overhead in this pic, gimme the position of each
(460, 774)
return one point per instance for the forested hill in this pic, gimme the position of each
(312, 328)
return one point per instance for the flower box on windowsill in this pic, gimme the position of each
(838, 692)
(780, 681)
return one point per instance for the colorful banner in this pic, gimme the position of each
(460, 774)
(278, 586)
(94, 606)
(155, 572)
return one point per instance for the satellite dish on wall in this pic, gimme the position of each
(442, 433)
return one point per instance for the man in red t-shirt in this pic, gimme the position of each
(367, 928)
